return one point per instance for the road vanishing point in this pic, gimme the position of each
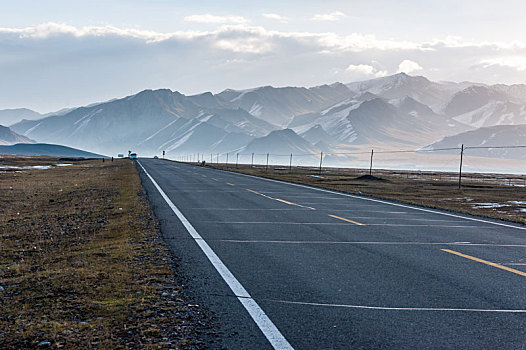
(287, 266)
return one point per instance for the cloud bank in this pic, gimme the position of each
(52, 65)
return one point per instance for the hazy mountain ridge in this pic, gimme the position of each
(9, 137)
(395, 111)
(486, 137)
(48, 150)
(12, 116)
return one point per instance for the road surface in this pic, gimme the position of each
(290, 266)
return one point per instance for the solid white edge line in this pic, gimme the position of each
(348, 306)
(271, 332)
(374, 200)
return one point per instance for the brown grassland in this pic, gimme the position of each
(439, 191)
(82, 263)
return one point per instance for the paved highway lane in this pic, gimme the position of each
(333, 271)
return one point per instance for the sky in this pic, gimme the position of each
(56, 54)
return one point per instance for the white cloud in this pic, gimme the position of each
(360, 68)
(47, 30)
(108, 61)
(330, 42)
(208, 18)
(365, 69)
(275, 16)
(408, 66)
(515, 62)
(333, 16)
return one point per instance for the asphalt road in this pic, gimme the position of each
(335, 271)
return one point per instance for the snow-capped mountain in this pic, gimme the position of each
(402, 85)
(278, 106)
(497, 136)
(281, 142)
(9, 137)
(472, 98)
(398, 111)
(494, 113)
(317, 134)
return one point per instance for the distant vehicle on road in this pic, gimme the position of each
(155, 157)
(133, 156)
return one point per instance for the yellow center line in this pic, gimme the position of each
(279, 200)
(344, 219)
(228, 183)
(485, 262)
(284, 201)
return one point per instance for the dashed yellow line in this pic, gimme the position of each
(284, 201)
(215, 179)
(522, 273)
(203, 175)
(344, 219)
(228, 183)
(279, 200)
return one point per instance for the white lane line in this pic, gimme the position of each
(379, 243)
(271, 332)
(349, 306)
(381, 201)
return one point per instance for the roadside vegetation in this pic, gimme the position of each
(477, 195)
(82, 263)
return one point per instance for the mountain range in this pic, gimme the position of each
(9, 137)
(394, 112)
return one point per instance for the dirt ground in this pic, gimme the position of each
(82, 262)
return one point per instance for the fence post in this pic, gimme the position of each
(237, 160)
(321, 160)
(266, 167)
(290, 164)
(460, 170)
(252, 163)
(371, 165)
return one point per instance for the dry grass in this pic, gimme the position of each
(435, 190)
(82, 264)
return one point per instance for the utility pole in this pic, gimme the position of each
(290, 163)
(266, 167)
(226, 159)
(252, 163)
(460, 170)
(217, 159)
(371, 165)
(237, 160)
(321, 160)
